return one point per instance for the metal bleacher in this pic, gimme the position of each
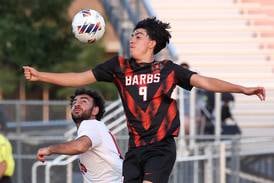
(264, 23)
(216, 39)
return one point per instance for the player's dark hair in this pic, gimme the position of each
(156, 30)
(98, 100)
(185, 65)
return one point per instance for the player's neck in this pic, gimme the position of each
(77, 125)
(145, 60)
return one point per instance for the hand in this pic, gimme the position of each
(42, 153)
(3, 168)
(30, 73)
(259, 91)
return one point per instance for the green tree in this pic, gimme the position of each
(38, 33)
(89, 57)
(33, 33)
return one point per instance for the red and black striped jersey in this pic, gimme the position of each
(145, 90)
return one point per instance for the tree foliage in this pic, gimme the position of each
(38, 33)
(87, 58)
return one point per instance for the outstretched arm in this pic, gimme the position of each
(73, 147)
(217, 85)
(63, 79)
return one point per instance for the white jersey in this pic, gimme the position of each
(102, 163)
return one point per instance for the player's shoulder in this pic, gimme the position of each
(165, 62)
(93, 126)
(99, 124)
(90, 123)
(118, 61)
(120, 58)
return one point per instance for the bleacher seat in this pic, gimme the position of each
(216, 39)
(264, 12)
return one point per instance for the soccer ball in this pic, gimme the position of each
(88, 26)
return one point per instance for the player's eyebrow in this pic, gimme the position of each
(84, 97)
(80, 98)
(136, 33)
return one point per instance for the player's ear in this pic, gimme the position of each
(152, 44)
(95, 110)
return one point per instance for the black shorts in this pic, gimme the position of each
(151, 162)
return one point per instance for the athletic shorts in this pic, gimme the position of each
(152, 162)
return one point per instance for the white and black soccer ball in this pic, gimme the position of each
(88, 26)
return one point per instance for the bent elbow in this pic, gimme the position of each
(81, 149)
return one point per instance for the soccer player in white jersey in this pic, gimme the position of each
(100, 160)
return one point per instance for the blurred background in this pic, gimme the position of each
(224, 138)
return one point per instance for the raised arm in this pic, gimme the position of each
(73, 147)
(62, 79)
(217, 85)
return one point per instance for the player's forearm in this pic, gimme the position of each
(65, 149)
(73, 147)
(216, 85)
(66, 79)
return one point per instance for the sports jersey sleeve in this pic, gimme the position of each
(90, 130)
(105, 71)
(3, 152)
(183, 77)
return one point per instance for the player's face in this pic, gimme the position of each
(82, 107)
(141, 46)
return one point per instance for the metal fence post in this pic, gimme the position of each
(218, 126)
(196, 166)
(192, 123)
(222, 163)
(181, 140)
(208, 166)
(47, 172)
(69, 172)
(235, 160)
(18, 144)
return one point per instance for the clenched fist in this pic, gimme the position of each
(42, 153)
(30, 73)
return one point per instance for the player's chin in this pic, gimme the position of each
(132, 50)
(76, 115)
(77, 112)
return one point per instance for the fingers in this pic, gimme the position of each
(42, 153)
(260, 97)
(261, 93)
(40, 157)
(30, 73)
(27, 72)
